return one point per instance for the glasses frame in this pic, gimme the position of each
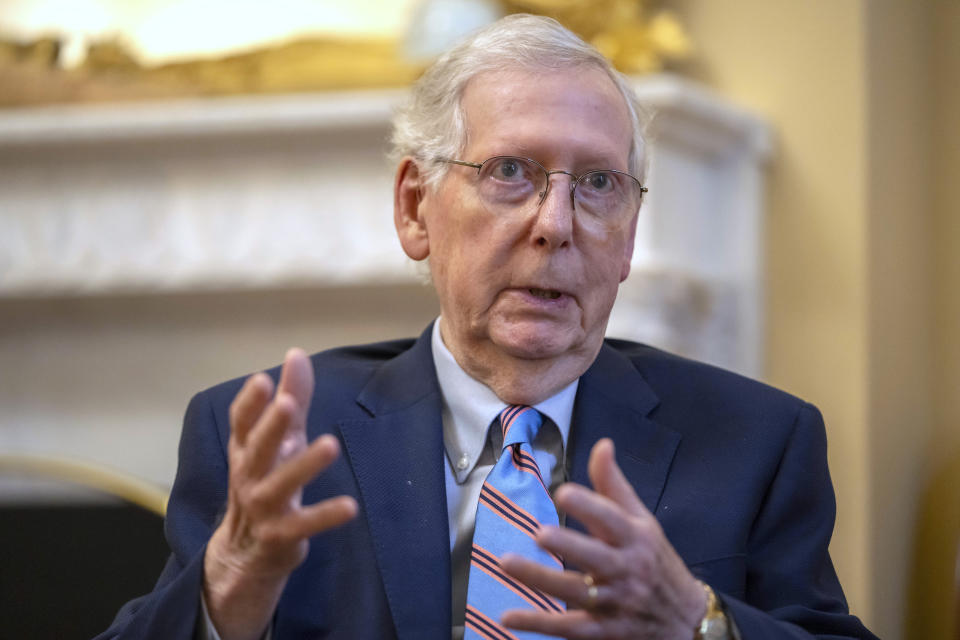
(575, 179)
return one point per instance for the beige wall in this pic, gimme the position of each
(931, 599)
(863, 274)
(899, 291)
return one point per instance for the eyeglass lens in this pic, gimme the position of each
(507, 182)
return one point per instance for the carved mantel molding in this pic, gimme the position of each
(279, 191)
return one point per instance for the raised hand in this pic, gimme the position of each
(265, 531)
(631, 583)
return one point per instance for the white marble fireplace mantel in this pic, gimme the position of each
(264, 192)
(148, 250)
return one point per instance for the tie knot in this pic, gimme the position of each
(519, 423)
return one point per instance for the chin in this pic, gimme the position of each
(536, 343)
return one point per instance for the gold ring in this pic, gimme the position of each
(592, 591)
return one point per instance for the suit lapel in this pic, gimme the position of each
(613, 401)
(397, 456)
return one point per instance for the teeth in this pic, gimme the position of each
(544, 293)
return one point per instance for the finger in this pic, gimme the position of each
(264, 439)
(248, 405)
(296, 378)
(602, 517)
(563, 584)
(311, 520)
(574, 624)
(582, 551)
(608, 479)
(279, 485)
(328, 514)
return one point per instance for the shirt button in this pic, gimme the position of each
(463, 462)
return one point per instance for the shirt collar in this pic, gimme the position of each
(470, 406)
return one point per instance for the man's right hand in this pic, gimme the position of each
(265, 532)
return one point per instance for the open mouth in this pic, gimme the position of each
(546, 294)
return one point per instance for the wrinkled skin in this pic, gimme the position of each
(645, 591)
(487, 266)
(265, 531)
(487, 269)
(491, 273)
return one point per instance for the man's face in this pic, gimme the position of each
(534, 284)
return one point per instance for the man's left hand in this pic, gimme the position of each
(642, 587)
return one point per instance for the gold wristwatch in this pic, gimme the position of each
(714, 625)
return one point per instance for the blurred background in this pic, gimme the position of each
(189, 187)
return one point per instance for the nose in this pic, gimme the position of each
(553, 223)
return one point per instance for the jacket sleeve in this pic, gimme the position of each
(198, 497)
(792, 588)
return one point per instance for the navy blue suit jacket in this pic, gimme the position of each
(735, 472)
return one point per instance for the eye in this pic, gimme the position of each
(600, 181)
(509, 170)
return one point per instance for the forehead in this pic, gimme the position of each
(569, 118)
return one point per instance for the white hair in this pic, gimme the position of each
(432, 123)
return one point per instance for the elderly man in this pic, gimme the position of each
(461, 504)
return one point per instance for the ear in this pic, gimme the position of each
(408, 191)
(628, 248)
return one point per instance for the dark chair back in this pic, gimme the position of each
(67, 564)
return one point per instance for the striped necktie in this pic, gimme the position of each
(514, 502)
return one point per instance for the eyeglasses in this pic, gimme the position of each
(606, 198)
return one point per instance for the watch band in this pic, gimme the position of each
(714, 625)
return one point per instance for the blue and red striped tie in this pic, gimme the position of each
(514, 503)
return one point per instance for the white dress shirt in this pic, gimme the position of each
(469, 408)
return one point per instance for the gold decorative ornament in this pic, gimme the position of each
(112, 72)
(633, 37)
(42, 52)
